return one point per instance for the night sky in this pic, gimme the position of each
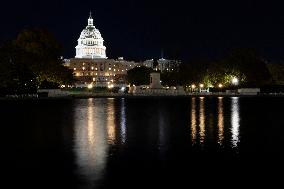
(142, 29)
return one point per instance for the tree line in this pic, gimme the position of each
(245, 64)
(32, 61)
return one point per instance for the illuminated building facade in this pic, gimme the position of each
(91, 64)
(100, 71)
(164, 65)
(90, 42)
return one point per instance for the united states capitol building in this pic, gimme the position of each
(91, 65)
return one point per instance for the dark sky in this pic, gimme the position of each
(140, 29)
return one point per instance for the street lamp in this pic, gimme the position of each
(200, 87)
(192, 87)
(235, 81)
(220, 85)
(90, 86)
(110, 86)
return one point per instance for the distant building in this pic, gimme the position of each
(91, 64)
(163, 65)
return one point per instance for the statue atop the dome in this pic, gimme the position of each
(90, 20)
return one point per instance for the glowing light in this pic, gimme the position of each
(220, 85)
(83, 68)
(110, 86)
(193, 86)
(201, 85)
(235, 81)
(90, 86)
(74, 68)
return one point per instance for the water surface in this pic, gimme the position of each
(143, 142)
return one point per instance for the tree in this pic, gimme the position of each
(15, 75)
(248, 65)
(139, 75)
(244, 64)
(45, 53)
(30, 60)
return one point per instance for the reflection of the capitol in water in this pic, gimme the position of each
(199, 128)
(94, 132)
(101, 124)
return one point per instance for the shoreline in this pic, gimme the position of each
(115, 95)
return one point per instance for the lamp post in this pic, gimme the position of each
(192, 87)
(201, 87)
(90, 86)
(235, 81)
(220, 85)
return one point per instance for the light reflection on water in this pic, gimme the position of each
(100, 123)
(111, 128)
(220, 121)
(235, 119)
(205, 122)
(92, 134)
(193, 120)
(202, 133)
(123, 121)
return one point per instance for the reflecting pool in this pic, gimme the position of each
(140, 142)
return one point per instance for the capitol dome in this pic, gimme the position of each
(90, 43)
